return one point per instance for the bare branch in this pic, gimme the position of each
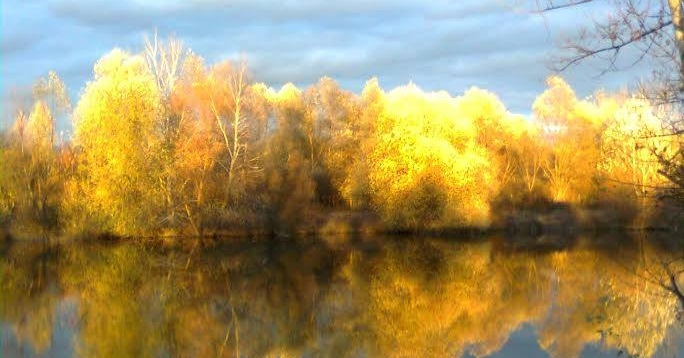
(585, 52)
(163, 60)
(551, 6)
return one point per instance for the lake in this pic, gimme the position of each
(585, 296)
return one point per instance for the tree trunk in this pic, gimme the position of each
(678, 24)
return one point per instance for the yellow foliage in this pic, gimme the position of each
(287, 93)
(556, 104)
(630, 141)
(355, 188)
(40, 128)
(427, 169)
(208, 152)
(116, 127)
(571, 128)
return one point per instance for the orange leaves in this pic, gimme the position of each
(196, 149)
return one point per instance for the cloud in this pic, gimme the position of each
(133, 15)
(440, 44)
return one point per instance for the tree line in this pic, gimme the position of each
(165, 143)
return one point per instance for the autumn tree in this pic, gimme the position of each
(427, 169)
(629, 166)
(116, 129)
(233, 104)
(503, 135)
(572, 130)
(288, 188)
(333, 138)
(356, 186)
(218, 149)
(212, 124)
(31, 178)
(195, 151)
(52, 92)
(164, 60)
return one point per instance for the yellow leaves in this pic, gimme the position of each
(589, 113)
(556, 103)
(372, 94)
(116, 125)
(425, 114)
(197, 151)
(123, 96)
(264, 91)
(630, 141)
(118, 65)
(288, 93)
(426, 163)
(635, 118)
(40, 128)
(518, 125)
(481, 106)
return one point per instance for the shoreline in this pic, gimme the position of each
(344, 225)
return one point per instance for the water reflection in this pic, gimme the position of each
(394, 298)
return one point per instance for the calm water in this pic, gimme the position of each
(585, 296)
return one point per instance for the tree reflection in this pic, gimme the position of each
(406, 298)
(29, 294)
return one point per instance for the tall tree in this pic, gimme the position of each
(288, 187)
(165, 60)
(30, 180)
(116, 127)
(234, 104)
(356, 187)
(334, 113)
(572, 136)
(197, 150)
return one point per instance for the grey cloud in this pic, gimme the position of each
(130, 15)
(440, 44)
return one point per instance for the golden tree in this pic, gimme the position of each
(427, 169)
(116, 128)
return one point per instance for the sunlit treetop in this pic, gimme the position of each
(287, 93)
(40, 127)
(558, 94)
(51, 89)
(119, 64)
(557, 103)
(477, 103)
(431, 114)
(372, 92)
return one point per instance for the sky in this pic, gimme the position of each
(452, 45)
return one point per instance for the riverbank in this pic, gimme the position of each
(556, 220)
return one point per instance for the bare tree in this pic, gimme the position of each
(164, 60)
(231, 104)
